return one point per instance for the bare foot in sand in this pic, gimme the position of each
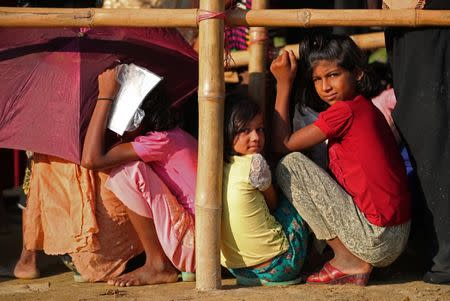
(26, 267)
(146, 275)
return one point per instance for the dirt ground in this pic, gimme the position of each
(401, 282)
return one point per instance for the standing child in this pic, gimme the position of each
(365, 215)
(154, 177)
(257, 247)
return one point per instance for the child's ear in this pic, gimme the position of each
(359, 75)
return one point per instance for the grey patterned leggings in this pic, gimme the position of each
(330, 212)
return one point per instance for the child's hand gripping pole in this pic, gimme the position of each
(284, 67)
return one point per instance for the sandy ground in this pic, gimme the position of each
(401, 282)
(62, 287)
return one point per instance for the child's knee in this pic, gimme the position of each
(289, 165)
(130, 168)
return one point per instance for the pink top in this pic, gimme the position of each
(173, 157)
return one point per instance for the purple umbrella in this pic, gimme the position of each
(48, 79)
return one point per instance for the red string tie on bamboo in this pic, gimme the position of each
(206, 15)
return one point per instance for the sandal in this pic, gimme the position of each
(67, 260)
(331, 275)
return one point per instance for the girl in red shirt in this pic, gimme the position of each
(363, 212)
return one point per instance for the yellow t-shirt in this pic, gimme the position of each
(250, 234)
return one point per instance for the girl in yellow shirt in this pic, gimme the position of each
(258, 247)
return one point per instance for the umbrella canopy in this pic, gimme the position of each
(48, 79)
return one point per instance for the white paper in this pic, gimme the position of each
(136, 82)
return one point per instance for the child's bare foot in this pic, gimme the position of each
(26, 267)
(146, 275)
(26, 270)
(20, 270)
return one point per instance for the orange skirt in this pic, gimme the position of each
(67, 206)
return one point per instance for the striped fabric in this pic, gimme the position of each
(237, 37)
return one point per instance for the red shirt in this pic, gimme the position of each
(366, 161)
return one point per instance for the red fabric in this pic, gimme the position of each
(366, 161)
(49, 79)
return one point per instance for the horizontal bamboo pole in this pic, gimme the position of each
(96, 17)
(338, 17)
(364, 41)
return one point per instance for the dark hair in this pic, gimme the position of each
(239, 111)
(158, 114)
(340, 49)
(383, 75)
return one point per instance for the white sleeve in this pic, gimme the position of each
(260, 176)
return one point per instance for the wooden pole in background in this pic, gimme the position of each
(364, 41)
(257, 62)
(371, 40)
(211, 95)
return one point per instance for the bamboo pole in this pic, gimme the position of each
(257, 63)
(96, 17)
(371, 40)
(211, 95)
(364, 41)
(338, 17)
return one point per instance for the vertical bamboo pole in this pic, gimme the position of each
(257, 61)
(211, 94)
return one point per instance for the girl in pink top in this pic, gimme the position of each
(154, 176)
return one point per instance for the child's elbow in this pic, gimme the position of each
(88, 163)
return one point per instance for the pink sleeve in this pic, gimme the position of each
(336, 120)
(391, 100)
(386, 102)
(152, 147)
